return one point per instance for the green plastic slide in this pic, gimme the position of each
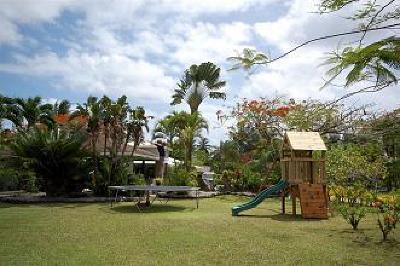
(260, 197)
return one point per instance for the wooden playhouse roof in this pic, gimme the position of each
(305, 141)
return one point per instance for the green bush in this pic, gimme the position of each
(55, 159)
(9, 180)
(180, 177)
(13, 179)
(352, 214)
(388, 210)
(351, 203)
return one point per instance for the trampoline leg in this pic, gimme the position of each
(116, 195)
(151, 203)
(138, 203)
(109, 197)
(197, 199)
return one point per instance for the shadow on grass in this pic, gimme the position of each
(276, 217)
(372, 243)
(65, 205)
(153, 209)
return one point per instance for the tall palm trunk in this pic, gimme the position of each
(95, 159)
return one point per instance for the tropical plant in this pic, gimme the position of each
(195, 123)
(136, 126)
(56, 160)
(199, 82)
(372, 63)
(29, 110)
(9, 111)
(203, 144)
(178, 176)
(182, 130)
(93, 111)
(117, 124)
(61, 108)
(247, 59)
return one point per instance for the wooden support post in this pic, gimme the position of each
(283, 201)
(293, 203)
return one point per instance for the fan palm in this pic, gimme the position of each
(199, 82)
(247, 59)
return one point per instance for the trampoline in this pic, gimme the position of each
(155, 189)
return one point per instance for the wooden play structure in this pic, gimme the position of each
(303, 169)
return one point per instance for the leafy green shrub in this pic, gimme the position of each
(352, 214)
(180, 177)
(388, 211)
(56, 159)
(249, 180)
(9, 179)
(17, 179)
(393, 176)
(158, 181)
(351, 203)
(137, 179)
(354, 163)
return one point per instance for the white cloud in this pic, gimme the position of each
(193, 44)
(97, 74)
(9, 32)
(300, 74)
(13, 13)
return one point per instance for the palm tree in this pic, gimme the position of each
(61, 108)
(93, 111)
(9, 111)
(192, 129)
(135, 125)
(199, 82)
(32, 111)
(248, 59)
(172, 124)
(203, 144)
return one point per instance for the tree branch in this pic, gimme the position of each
(325, 38)
(370, 23)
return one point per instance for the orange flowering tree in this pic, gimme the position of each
(258, 120)
(257, 127)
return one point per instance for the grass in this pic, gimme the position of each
(179, 234)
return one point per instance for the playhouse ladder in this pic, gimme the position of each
(313, 201)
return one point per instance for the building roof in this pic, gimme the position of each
(144, 150)
(305, 141)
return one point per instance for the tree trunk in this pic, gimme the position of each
(194, 108)
(188, 155)
(95, 160)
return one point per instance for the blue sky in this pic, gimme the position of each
(71, 49)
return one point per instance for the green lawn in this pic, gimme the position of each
(178, 234)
